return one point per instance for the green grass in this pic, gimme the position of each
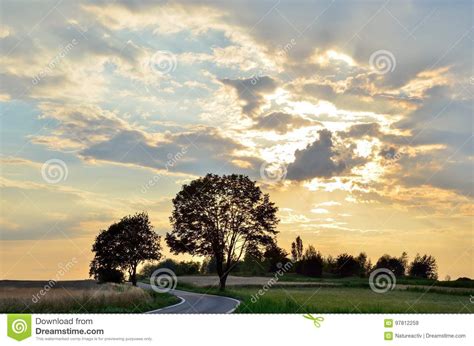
(364, 282)
(106, 298)
(340, 300)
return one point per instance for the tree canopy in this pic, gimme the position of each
(424, 267)
(220, 217)
(124, 245)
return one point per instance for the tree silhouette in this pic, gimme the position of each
(275, 257)
(312, 262)
(124, 245)
(220, 216)
(396, 265)
(363, 264)
(424, 267)
(297, 249)
(347, 265)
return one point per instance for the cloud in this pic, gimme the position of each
(328, 204)
(362, 130)
(251, 92)
(316, 160)
(282, 122)
(319, 211)
(197, 153)
(78, 126)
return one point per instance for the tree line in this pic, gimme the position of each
(308, 263)
(231, 223)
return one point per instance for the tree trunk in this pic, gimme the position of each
(221, 273)
(222, 280)
(133, 276)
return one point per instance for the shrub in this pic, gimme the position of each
(396, 265)
(179, 268)
(109, 275)
(347, 265)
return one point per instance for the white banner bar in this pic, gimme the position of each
(233, 329)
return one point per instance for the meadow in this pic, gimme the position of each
(80, 298)
(344, 299)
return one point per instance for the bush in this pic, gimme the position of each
(109, 275)
(347, 265)
(179, 268)
(396, 265)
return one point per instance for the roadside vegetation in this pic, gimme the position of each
(232, 224)
(229, 222)
(339, 300)
(311, 266)
(106, 298)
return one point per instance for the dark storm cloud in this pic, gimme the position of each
(316, 160)
(251, 91)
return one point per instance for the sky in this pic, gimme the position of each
(355, 116)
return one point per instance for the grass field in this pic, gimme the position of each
(342, 300)
(364, 282)
(81, 298)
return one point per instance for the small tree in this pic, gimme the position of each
(424, 267)
(312, 262)
(396, 265)
(363, 264)
(275, 257)
(297, 249)
(124, 245)
(347, 265)
(219, 217)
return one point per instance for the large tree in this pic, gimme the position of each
(220, 217)
(124, 245)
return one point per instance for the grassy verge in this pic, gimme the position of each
(364, 282)
(107, 298)
(339, 300)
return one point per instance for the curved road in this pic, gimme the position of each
(196, 303)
